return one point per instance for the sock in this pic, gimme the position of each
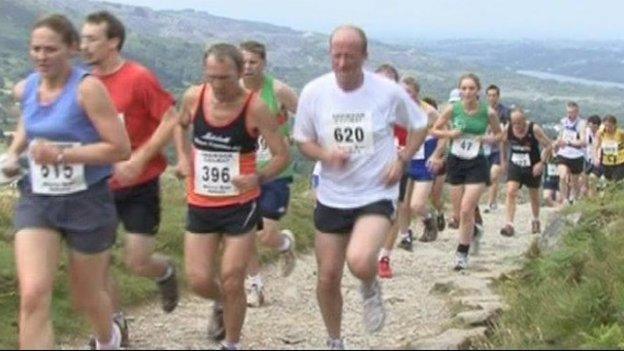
(113, 341)
(463, 248)
(404, 234)
(384, 253)
(256, 280)
(168, 273)
(230, 345)
(285, 243)
(118, 317)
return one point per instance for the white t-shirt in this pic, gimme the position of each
(570, 131)
(360, 121)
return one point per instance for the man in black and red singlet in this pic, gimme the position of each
(224, 185)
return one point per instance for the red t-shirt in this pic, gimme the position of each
(141, 101)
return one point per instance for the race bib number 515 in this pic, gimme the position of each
(353, 131)
(58, 179)
(214, 172)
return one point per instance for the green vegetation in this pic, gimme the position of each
(134, 290)
(574, 296)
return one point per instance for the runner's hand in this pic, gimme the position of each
(455, 133)
(183, 168)
(126, 172)
(247, 182)
(538, 169)
(336, 158)
(9, 165)
(43, 152)
(394, 172)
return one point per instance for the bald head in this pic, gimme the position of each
(349, 35)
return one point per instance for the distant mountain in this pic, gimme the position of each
(595, 60)
(172, 42)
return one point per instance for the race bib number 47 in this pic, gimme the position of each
(353, 131)
(214, 172)
(58, 179)
(466, 147)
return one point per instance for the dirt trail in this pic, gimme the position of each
(421, 300)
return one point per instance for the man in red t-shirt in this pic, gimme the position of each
(148, 112)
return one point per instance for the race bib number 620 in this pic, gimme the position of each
(353, 131)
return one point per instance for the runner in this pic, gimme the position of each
(467, 166)
(570, 153)
(422, 169)
(550, 192)
(224, 185)
(493, 152)
(345, 119)
(73, 135)
(440, 178)
(589, 177)
(526, 165)
(403, 217)
(148, 113)
(609, 151)
(274, 195)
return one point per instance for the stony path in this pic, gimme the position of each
(422, 300)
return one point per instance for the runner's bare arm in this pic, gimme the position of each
(495, 126)
(115, 144)
(268, 128)
(286, 96)
(161, 137)
(598, 149)
(181, 132)
(544, 141)
(18, 145)
(440, 127)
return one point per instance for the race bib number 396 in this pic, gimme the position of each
(58, 179)
(214, 172)
(353, 131)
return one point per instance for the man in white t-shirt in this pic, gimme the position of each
(570, 152)
(345, 120)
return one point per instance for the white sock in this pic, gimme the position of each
(113, 342)
(285, 243)
(404, 234)
(384, 253)
(256, 280)
(230, 345)
(168, 273)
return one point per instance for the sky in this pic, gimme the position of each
(431, 19)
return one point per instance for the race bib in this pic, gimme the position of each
(466, 147)
(609, 148)
(214, 172)
(569, 135)
(552, 170)
(263, 153)
(57, 179)
(353, 131)
(521, 160)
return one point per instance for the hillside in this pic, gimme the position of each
(171, 43)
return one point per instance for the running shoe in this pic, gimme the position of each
(441, 221)
(407, 242)
(507, 230)
(335, 344)
(288, 257)
(169, 293)
(461, 261)
(430, 230)
(122, 324)
(255, 296)
(374, 313)
(536, 226)
(385, 271)
(216, 326)
(453, 223)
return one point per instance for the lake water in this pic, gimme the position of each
(568, 79)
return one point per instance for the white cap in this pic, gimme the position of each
(454, 95)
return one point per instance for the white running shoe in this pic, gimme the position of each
(255, 296)
(461, 261)
(336, 344)
(374, 313)
(289, 260)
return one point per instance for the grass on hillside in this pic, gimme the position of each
(574, 296)
(134, 290)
